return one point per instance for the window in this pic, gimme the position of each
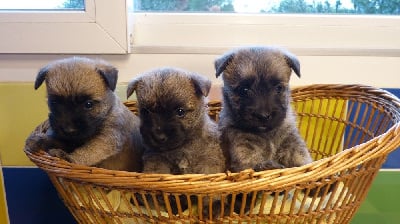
(310, 27)
(65, 26)
(21, 5)
(391, 7)
(305, 26)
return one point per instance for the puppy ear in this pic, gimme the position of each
(109, 74)
(41, 76)
(221, 63)
(293, 62)
(132, 85)
(201, 84)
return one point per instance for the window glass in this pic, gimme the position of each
(12, 5)
(386, 7)
(64, 26)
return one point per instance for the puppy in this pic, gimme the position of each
(178, 135)
(87, 123)
(257, 124)
(258, 127)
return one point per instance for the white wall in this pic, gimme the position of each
(377, 71)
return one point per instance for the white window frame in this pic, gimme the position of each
(100, 29)
(104, 28)
(199, 33)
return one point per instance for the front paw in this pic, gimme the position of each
(268, 165)
(36, 142)
(60, 154)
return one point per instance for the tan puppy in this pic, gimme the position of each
(178, 134)
(257, 123)
(258, 127)
(87, 122)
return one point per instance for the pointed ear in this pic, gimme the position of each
(132, 85)
(201, 84)
(41, 76)
(221, 63)
(293, 62)
(109, 74)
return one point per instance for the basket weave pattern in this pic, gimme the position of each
(349, 129)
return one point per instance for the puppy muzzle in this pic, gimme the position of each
(159, 136)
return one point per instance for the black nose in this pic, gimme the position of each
(69, 130)
(159, 135)
(263, 116)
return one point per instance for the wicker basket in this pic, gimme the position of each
(350, 130)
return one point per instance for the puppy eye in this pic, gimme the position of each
(180, 112)
(52, 102)
(244, 91)
(89, 104)
(279, 88)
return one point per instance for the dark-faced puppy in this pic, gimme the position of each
(178, 134)
(257, 124)
(87, 122)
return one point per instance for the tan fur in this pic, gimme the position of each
(192, 144)
(261, 145)
(117, 143)
(200, 151)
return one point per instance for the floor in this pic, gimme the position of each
(382, 204)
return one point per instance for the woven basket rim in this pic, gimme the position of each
(273, 179)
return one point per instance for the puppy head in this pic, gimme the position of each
(80, 96)
(256, 91)
(171, 106)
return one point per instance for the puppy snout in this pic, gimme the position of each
(159, 135)
(70, 130)
(264, 116)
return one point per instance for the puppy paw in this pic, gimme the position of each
(60, 154)
(36, 142)
(268, 165)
